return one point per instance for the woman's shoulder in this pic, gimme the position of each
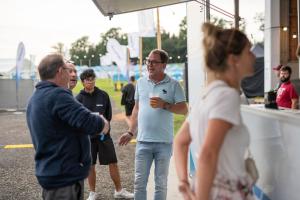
(221, 90)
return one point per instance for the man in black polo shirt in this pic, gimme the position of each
(97, 100)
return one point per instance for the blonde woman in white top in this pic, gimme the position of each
(214, 126)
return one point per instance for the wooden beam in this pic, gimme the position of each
(236, 14)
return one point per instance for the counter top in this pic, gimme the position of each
(286, 115)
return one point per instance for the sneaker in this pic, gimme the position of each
(123, 194)
(92, 196)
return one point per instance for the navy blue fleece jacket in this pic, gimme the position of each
(59, 128)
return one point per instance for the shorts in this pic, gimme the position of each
(128, 109)
(105, 151)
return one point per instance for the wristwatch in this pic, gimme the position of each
(167, 106)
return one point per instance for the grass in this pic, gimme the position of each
(108, 86)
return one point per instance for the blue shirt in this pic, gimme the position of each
(156, 124)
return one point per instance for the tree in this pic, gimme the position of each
(259, 19)
(228, 24)
(84, 53)
(181, 45)
(59, 48)
(79, 51)
(116, 34)
(176, 46)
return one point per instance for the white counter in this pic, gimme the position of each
(275, 145)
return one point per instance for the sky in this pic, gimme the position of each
(41, 24)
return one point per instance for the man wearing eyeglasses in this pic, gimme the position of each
(97, 100)
(157, 97)
(60, 127)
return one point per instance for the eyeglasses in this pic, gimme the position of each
(69, 69)
(152, 62)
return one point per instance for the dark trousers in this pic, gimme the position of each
(71, 192)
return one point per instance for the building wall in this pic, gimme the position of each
(8, 98)
(272, 42)
(293, 23)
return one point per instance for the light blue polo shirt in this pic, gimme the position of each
(156, 124)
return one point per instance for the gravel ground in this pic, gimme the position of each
(17, 165)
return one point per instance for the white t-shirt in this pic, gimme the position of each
(220, 101)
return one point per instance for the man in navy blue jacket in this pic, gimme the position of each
(59, 128)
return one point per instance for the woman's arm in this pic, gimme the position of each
(181, 149)
(208, 156)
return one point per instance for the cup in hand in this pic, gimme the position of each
(152, 99)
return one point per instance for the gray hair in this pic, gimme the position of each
(49, 66)
(162, 54)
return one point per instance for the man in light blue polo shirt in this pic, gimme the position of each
(157, 97)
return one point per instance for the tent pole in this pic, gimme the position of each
(158, 30)
(141, 55)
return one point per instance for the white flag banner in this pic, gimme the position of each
(106, 60)
(118, 54)
(19, 66)
(146, 23)
(19, 62)
(133, 45)
(122, 63)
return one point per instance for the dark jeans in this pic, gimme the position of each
(71, 192)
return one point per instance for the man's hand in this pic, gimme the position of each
(124, 139)
(156, 102)
(106, 125)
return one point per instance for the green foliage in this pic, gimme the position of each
(176, 46)
(84, 53)
(113, 33)
(59, 48)
(228, 24)
(81, 51)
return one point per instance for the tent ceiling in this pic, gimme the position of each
(114, 7)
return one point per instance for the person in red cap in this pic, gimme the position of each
(277, 72)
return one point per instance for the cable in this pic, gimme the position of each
(217, 9)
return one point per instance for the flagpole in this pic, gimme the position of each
(141, 55)
(128, 64)
(158, 30)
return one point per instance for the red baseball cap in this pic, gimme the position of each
(277, 68)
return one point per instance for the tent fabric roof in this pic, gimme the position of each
(114, 7)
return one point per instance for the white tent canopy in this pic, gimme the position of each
(114, 7)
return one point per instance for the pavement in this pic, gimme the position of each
(17, 164)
